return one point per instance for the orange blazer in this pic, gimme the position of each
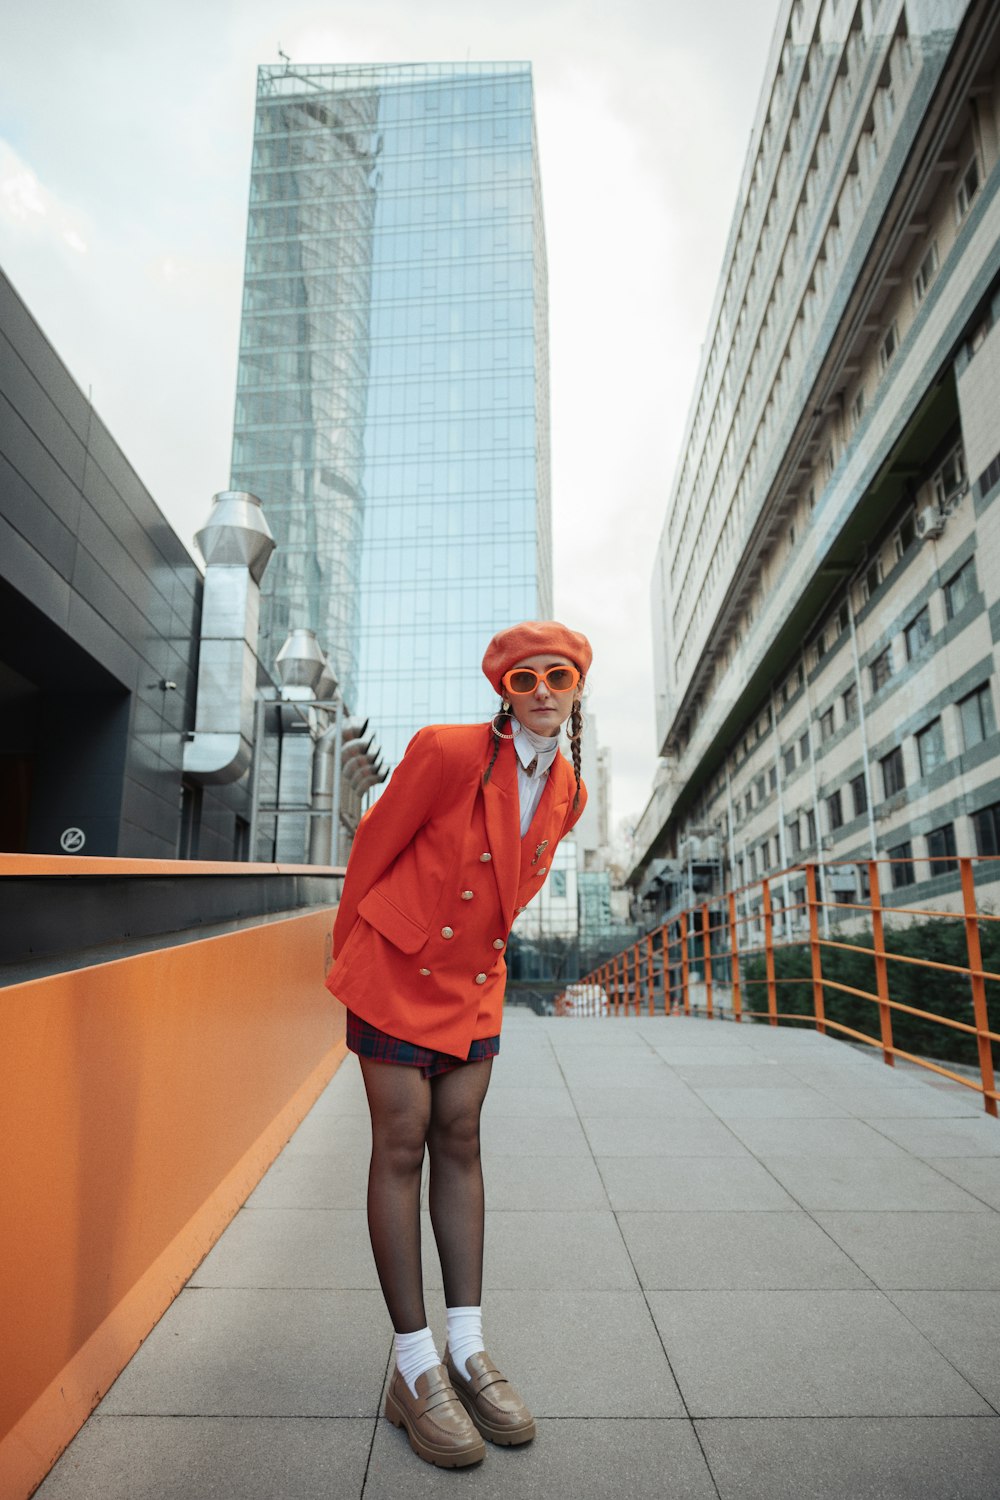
(438, 871)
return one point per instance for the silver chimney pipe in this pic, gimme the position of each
(236, 543)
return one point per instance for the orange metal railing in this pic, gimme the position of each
(707, 957)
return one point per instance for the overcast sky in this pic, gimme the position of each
(125, 137)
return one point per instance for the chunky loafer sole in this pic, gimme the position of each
(432, 1453)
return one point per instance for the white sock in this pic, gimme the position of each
(465, 1334)
(415, 1353)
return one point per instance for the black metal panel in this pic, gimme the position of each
(66, 916)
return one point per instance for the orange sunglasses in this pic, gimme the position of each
(520, 681)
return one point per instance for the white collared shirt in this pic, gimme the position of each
(528, 745)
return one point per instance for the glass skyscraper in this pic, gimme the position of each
(392, 406)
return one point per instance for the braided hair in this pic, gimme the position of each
(575, 735)
(504, 712)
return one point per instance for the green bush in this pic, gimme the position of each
(942, 994)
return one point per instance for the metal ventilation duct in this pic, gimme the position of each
(236, 543)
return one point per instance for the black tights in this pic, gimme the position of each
(408, 1112)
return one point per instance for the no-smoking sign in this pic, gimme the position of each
(72, 840)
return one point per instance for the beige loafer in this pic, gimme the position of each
(491, 1401)
(435, 1420)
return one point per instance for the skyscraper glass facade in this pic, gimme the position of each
(392, 404)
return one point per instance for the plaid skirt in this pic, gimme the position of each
(368, 1041)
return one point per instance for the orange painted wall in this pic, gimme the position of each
(140, 1102)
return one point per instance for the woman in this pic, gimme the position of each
(457, 845)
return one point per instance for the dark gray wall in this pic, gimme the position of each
(99, 603)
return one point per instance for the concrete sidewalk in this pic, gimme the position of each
(721, 1261)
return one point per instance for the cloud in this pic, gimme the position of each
(28, 208)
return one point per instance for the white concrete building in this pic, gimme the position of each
(826, 595)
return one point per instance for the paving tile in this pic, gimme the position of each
(965, 1326)
(544, 1251)
(701, 1136)
(735, 1251)
(858, 1458)
(902, 1101)
(509, 1135)
(979, 1175)
(292, 1247)
(878, 1182)
(234, 1352)
(185, 1458)
(944, 1137)
(779, 1103)
(701, 1053)
(804, 1353)
(669, 1103)
(319, 1134)
(537, 1337)
(676, 1182)
(828, 1137)
(334, 1180)
(585, 1460)
(544, 1182)
(761, 1075)
(921, 1250)
(532, 1103)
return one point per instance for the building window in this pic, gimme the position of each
(835, 811)
(811, 827)
(925, 273)
(950, 478)
(789, 759)
(967, 189)
(772, 778)
(557, 883)
(941, 849)
(760, 789)
(893, 778)
(794, 837)
(826, 726)
(930, 747)
(902, 872)
(889, 345)
(752, 860)
(881, 669)
(748, 804)
(857, 408)
(986, 824)
(859, 793)
(960, 588)
(976, 712)
(850, 701)
(918, 632)
(903, 536)
(871, 580)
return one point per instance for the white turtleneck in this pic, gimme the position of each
(530, 745)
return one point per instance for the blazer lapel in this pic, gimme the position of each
(503, 827)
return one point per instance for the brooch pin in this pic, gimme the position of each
(540, 851)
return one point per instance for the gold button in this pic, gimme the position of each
(480, 978)
(484, 857)
(447, 932)
(498, 942)
(425, 972)
(467, 895)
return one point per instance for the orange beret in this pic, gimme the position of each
(535, 638)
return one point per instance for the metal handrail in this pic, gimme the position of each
(690, 939)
